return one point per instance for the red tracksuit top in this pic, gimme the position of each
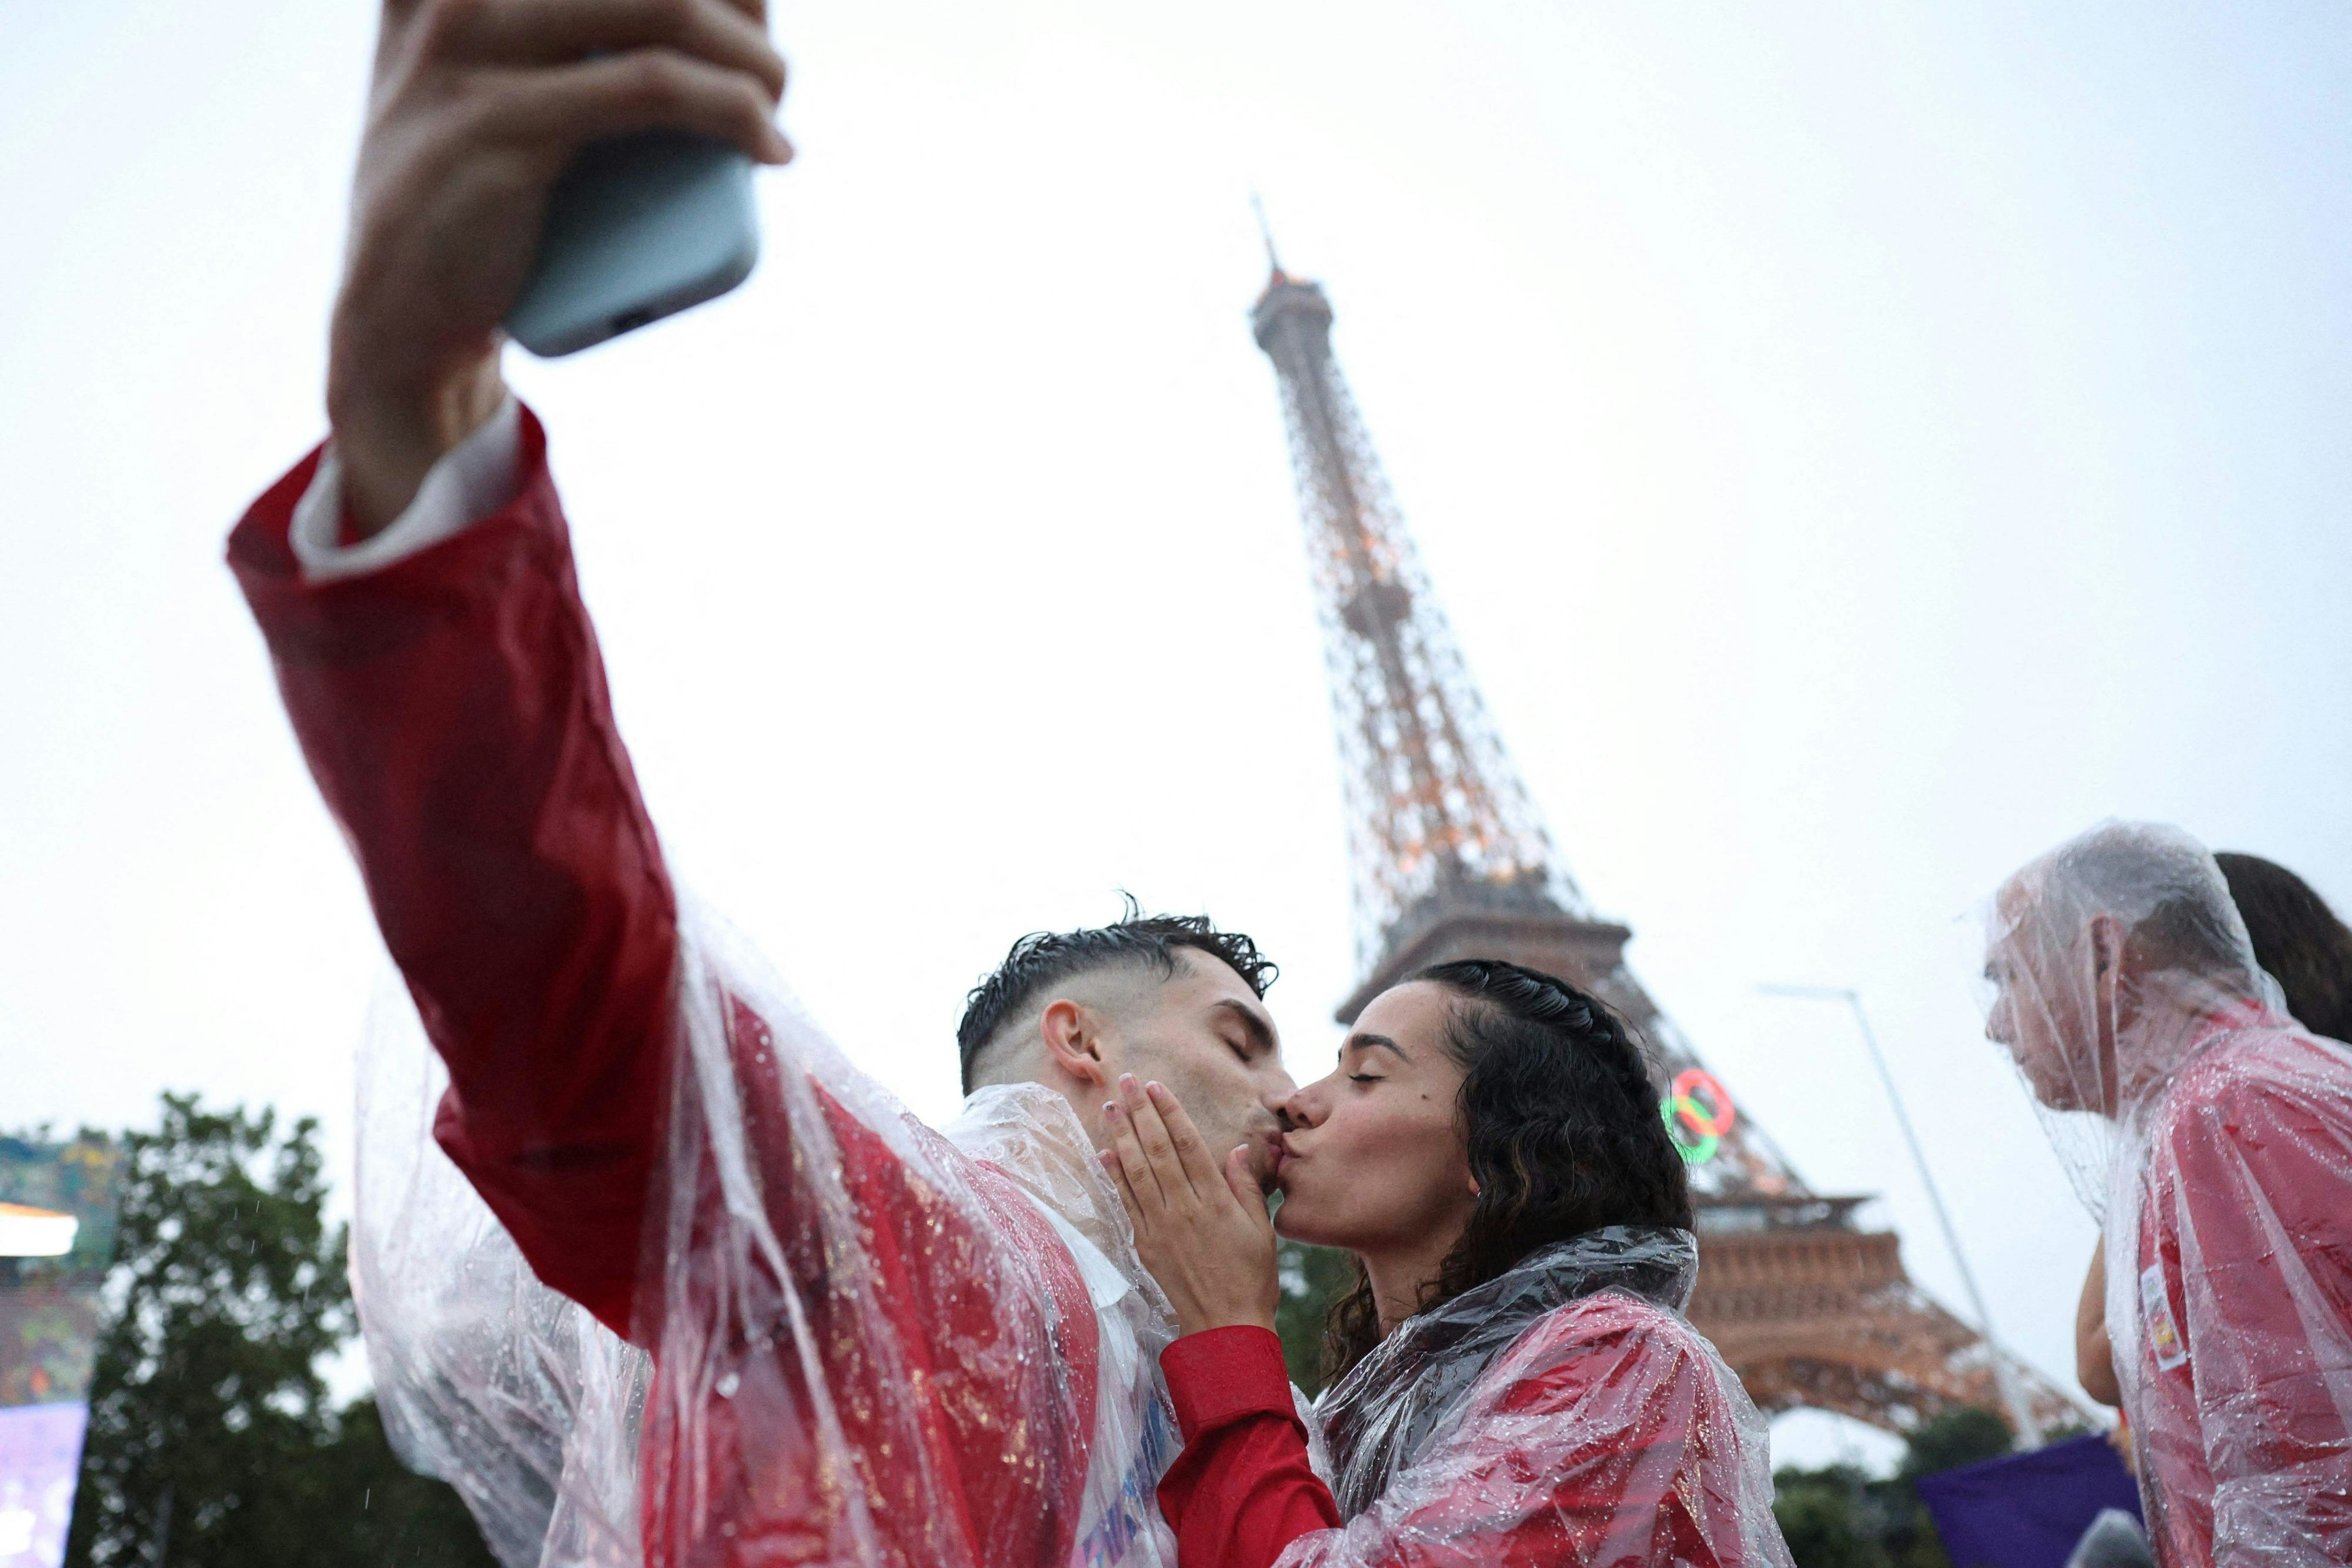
(452, 707)
(2241, 1395)
(1604, 1434)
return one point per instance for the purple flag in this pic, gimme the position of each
(2027, 1510)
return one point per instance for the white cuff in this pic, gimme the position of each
(473, 479)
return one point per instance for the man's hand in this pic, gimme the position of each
(1202, 1231)
(476, 106)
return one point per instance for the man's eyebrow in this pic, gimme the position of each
(1369, 1040)
(1261, 1033)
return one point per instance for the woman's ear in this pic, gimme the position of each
(1073, 1037)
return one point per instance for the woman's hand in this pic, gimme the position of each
(1202, 1229)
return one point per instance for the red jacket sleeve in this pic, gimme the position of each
(1603, 1436)
(1242, 1490)
(453, 710)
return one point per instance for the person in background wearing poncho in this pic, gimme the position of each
(2301, 944)
(1514, 1381)
(2213, 1135)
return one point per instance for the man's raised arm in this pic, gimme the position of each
(889, 1355)
(452, 704)
(452, 708)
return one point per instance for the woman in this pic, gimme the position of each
(1514, 1381)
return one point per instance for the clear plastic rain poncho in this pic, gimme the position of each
(859, 1351)
(2212, 1136)
(1564, 1413)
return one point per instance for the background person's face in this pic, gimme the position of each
(1208, 1039)
(1375, 1158)
(2038, 1019)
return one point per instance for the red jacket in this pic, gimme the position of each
(2238, 1374)
(453, 709)
(1608, 1432)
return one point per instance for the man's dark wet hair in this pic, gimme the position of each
(1044, 960)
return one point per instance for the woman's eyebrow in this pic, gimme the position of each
(1366, 1042)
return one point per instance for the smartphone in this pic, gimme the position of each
(638, 228)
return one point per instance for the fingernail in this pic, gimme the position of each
(1158, 1092)
(1110, 1109)
(1127, 1083)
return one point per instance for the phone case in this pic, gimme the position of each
(638, 228)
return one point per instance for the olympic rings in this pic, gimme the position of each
(1697, 1128)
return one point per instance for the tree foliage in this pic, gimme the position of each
(1837, 1517)
(213, 1441)
(1313, 1278)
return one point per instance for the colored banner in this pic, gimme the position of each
(56, 1239)
(40, 1455)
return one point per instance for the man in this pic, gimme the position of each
(870, 1344)
(2214, 1134)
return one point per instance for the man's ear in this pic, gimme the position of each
(1073, 1037)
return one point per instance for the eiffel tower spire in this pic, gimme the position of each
(1449, 859)
(1447, 852)
(1437, 815)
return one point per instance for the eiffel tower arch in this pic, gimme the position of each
(1449, 859)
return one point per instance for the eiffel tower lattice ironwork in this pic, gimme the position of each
(1450, 859)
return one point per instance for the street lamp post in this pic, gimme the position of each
(2021, 1415)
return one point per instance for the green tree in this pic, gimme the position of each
(1312, 1279)
(1839, 1518)
(1824, 1517)
(212, 1442)
(1958, 1437)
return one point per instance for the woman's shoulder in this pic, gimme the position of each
(1596, 1339)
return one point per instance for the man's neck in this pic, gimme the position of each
(1086, 1100)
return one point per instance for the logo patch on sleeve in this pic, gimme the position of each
(2156, 1315)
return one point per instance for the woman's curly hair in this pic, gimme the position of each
(1564, 1136)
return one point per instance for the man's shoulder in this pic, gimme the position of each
(2257, 1081)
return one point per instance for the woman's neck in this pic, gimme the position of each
(1401, 1278)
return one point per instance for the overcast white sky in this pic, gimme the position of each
(1858, 447)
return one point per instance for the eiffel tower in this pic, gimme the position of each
(1451, 859)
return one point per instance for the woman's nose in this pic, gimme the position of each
(1302, 1109)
